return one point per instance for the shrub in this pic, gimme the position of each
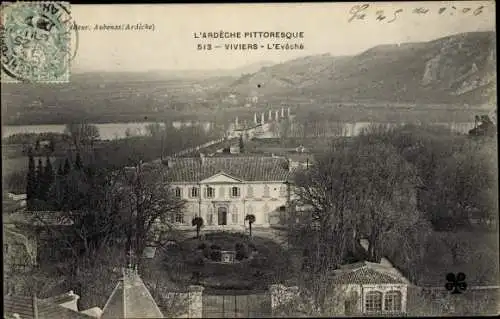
(215, 255)
(206, 252)
(199, 261)
(241, 251)
(258, 262)
(202, 246)
(252, 247)
(214, 247)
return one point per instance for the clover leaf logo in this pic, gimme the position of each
(455, 283)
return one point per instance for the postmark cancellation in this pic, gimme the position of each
(36, 42)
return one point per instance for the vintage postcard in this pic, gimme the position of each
(249, 160)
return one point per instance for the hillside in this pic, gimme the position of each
(459, 68)
(120, 96)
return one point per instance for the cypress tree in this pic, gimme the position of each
(60, 171)
(78, 161)
(40, 181)
(242, 145)
(67, 167)
(49, 175)
(31, 181)
(52, 145)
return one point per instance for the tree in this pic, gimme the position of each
(464, 187)
(198, 222)
(154, 129)
(82, 134)
(242, 145)
(48, 174)
(31, 182)
(128, 132)
(284, 130)
(60, 171)
(40, 186)
(385, 195)
(356, 189)
(67, 167)
(146, 199)
(52, 145)
(78, 161)
(90, 203)
(37, 145)
(251, 219)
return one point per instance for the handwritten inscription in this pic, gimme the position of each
(363, 12)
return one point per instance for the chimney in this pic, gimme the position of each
(262, 120)
(270, 115)
(288, 111)
(202, 158)
(282, 112)
(276, 115)
(255, 118)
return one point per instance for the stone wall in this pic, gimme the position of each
(188, 304)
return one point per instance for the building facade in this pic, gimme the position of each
(370, 288)
(223, 190)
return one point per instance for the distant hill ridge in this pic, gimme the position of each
(458, 68)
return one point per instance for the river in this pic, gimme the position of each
(107, 131)
(110, 131)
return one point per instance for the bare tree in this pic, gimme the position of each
(147, 199)
(385, 196)
(154, 129)
(82, 134)
(87, 200)
(324, 192)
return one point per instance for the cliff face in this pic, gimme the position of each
(459, 68)
(464, 63)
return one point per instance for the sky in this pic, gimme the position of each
(326, 29)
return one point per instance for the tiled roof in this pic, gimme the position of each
(62, 298)
(23, 306)
(246, 168)
(366, 273)
(131, 299)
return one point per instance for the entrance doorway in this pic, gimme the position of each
(222, 215)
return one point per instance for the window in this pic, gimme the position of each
(266, 191)
(250, 191)
(392, 301)
(210, 192)
(282, 209)
(234, 215)
(171, 217)
(194, 192)
(235, 191)
(179, 217)
(178, 192)
(373, 301)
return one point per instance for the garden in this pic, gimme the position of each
(226, 260)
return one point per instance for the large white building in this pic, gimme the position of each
(223, 190)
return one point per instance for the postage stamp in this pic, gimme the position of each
(36, 42)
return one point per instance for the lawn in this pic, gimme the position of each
(187, 263)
